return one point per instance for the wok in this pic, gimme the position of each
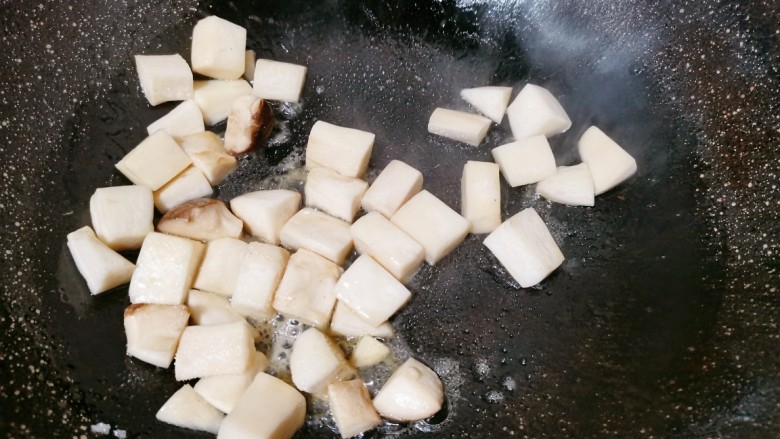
(662, 322)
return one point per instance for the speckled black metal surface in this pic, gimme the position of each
(663, 320)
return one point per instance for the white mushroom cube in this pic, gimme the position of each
(189, 185)
(570, 185)
(525, 161)
(306, 289)
(203, 219)
(525, 247)
(101, 267)
(153, 331)
(265, 212)
(278, 81)
(433, 224)
(352, 409)
(183, 120)
(319, 232)
(394, 186)
(218, 48)
(258, 279)
(397, 252)
(210, 309)
(250, 58)
(269, 409)
(221, 266)
(208, 154)
(345, 150)
(413, 392)
(122, 215)
(458, 125)
(609, 164)
(480, 189)
(224, 391)
(368, 352)
(164, 78)
(370, 291)
(154, 162)
(187, 409)
(490, 101)
(333, 193)
(165, 269)
(536, 112)
(315, 362)
(249, 123)
(215, 98)
(214, 350)
(347, 323)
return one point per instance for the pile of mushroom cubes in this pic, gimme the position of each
(523, 244)
(210, 271)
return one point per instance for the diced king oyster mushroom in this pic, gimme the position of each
(250, 58)
(397, 252)
(525, 247)
(187, 409)
(154, 162)
(481, 196)
(191, 184)
(215, 97)
(218, 48)
(345, 150)
(413, 392)
(525, 161)
(352, 409)
(249, 123)
(433, 224)
(348, 323)
(318, 232)
(224, 391)
(257, 281)
(210, 309)
(278, 81)
(368, 352)
(100, 266)
(394, 186)
(122, 215)
(207, 153)
(183, 120)
(534, 112)
(164, 78)
(214, 350)
(333, 193)
(316, 361)
(609, 164)
(269, 408)
(203, 219)
(572, 185)
(221, 266)
(306, 289)
(165, 269)
(490, 101)
(370, 291)
(265, 212)
(459, 125)
(153, 331)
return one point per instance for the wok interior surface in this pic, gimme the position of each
(662, 321)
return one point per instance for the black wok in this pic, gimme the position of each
(662, 322)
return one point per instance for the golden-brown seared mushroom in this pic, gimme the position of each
(203, 219)
(249, 123)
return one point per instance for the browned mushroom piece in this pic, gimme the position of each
(249, 124)
(203, 219)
